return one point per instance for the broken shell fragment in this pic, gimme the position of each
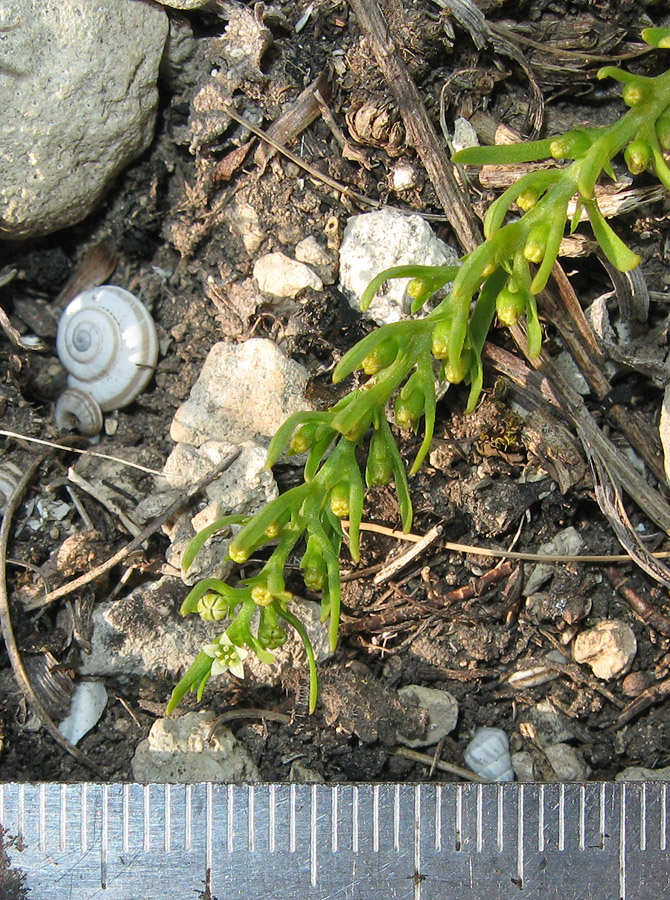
(488, 754)
(10, 476)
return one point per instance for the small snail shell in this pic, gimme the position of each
(10, 475)
(488, 754)
(107, 343)
(76, 409)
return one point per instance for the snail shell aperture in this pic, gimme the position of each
(107, 343)
(77, 409)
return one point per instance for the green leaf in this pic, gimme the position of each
(194, 679)
(657, 37)
(437, 276)
(539, 181)
(201, 537)
(618, 253)
(503, 154)
(309, 652)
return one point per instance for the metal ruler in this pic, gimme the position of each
(596, 841)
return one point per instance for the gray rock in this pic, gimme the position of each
(243, 488)
(376, 241)
(442, 710)
(566, 763)
(78, 96)
(181, 750)
(144, 634)
(310, 252)
(281, 276)
(566, 543)
(244, 393)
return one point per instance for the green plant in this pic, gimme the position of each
(502, 278)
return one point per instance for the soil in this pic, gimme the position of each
(451, 620)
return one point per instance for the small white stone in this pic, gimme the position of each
(403, 177)
(177, 750)
(88, 704)
(442, 710)
(281, 276)
(376, 241)
(609, 648)
(567, 763)
(311, 252)
(243, 221)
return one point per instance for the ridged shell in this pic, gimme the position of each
(488, 754)
(10, 475)
(77, 409)
(107, 343)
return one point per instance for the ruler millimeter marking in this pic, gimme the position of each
(602, 841)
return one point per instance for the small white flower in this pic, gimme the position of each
(227, 657)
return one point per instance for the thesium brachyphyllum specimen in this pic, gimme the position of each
(500, 278)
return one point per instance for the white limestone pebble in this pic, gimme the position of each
(181, 750)
(609, 648)
(376, 241)
(281, 276)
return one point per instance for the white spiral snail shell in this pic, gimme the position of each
(107, 343)
(77, 409)
(488, 754)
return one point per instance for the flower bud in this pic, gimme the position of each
(237, 555)
(510, 305)
(440, 340)
(638, 156)
(663, 129)
(313, 565)
(419, 288)
(379, 466)
(339, 500)
(536, 244)
(261, 595)
(570, 145)
(212, 607)
(270, 632)
(527, 199)
(456, 374)
(633, 94)
(381, 357)
(409, 406)
(304, 438)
